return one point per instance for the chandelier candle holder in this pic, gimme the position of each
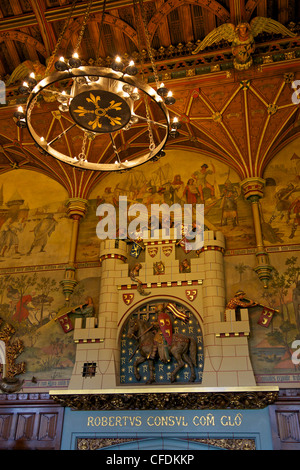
(100, 102)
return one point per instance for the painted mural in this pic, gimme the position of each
(171, 180)
(30, 303)
(270, 348)
(33, 220)
(280, 208)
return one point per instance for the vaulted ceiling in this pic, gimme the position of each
(239, 117)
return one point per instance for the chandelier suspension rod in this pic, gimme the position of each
(114, 147)
(61, 134)
(151, 121)
(51, 60)
(100, 30)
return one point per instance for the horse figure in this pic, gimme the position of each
(180, 348)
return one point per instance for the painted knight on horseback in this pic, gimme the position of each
(164, 330)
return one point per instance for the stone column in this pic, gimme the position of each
(253, 189)
(76, 209)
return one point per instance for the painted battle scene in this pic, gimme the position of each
(171, 181)
(31, 303)
(270, 348)
(280, 207)
(32, 220)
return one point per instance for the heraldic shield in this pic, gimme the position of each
(165, 325)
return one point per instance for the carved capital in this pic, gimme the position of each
(76, 207)
(253, 188)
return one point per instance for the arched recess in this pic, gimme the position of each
(25, 39)
(192, 330)
(111, 20)
(165, 9)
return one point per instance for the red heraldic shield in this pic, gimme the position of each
(165, 326)
(66, 323)
(266, 317)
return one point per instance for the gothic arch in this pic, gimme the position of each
(25, 39)
(108, 19)
(212, 5)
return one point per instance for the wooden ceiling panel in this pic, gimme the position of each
(224, 112)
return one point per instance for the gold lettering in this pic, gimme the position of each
(118, 421)
(138, 421)
(171, 421)
(97, 421)
(210, 420)
(90, 421)
(104, 421)
(148, 421)
(111, 421)
(222, 421)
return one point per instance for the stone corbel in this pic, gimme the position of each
(253, 190)
(76, 209)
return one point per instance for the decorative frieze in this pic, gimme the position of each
(189, 400)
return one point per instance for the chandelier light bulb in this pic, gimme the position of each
(19, 114)
(162, 90)
(74, 61)
(131, 68)
(135, 95)
(170, 99)
(62, 98)
(25, 84)
(60, 65)
(175, 124)
(117, 64)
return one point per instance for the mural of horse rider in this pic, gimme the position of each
(164, 330)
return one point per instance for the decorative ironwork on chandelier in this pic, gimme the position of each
(100, 102)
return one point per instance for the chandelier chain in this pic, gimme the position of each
(100, 30)
(60, 38)
(148, 42)
(138, 23)
(82, 29)
(82, 155)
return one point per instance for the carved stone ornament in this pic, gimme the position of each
(229, 444)
(168, 401)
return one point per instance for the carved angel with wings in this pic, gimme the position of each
(242, 37)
